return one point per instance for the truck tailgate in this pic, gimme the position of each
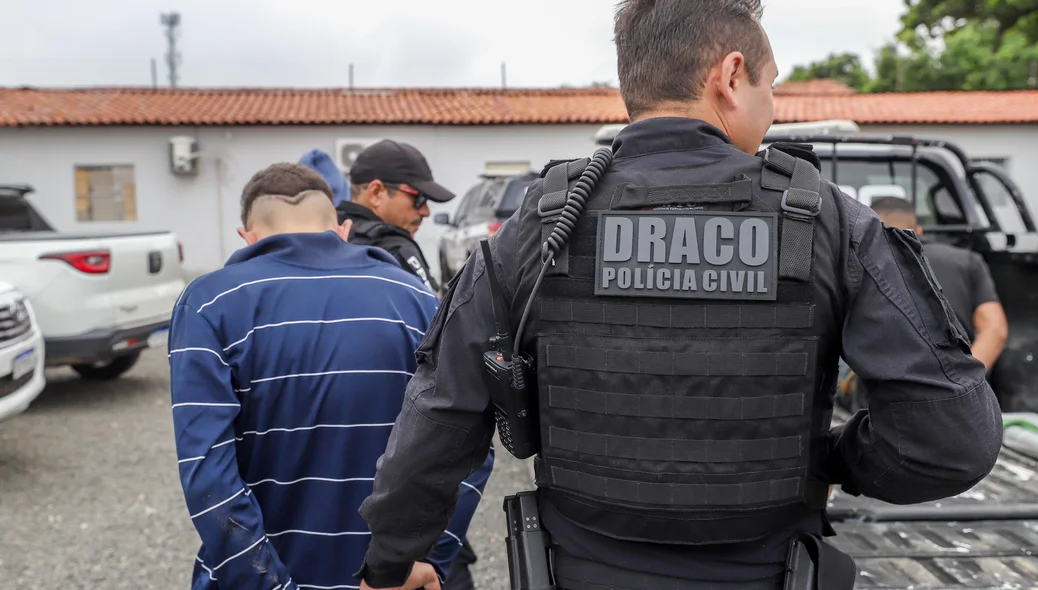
(145, 277)
(986, 537)
(945, 555)
(92, 286)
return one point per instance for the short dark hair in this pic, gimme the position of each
(889, 205)
(664, 48)
(284, 179)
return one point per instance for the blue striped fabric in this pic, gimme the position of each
(288, 368)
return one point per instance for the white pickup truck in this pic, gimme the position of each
(99, 298)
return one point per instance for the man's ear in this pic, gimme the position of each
(344, 230)
(376, 192)
(918, 230)
(729, 78)
(248, 236)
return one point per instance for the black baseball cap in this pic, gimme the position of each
(395, 162)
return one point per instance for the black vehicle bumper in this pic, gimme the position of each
(98, 345)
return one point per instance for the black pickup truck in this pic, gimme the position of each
(968, 204)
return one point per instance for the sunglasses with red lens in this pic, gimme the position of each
(419, 197)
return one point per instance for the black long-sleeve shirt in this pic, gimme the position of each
(933, 428)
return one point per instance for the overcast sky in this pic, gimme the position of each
(442, 43)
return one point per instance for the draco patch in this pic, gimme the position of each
(688, 255)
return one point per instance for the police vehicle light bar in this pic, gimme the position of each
(817, 127)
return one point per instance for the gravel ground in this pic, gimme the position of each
(89, 496)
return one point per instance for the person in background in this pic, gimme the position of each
(965, 280)
(288, 368)
(323, 164)
(386, 213)
(390, 187)
(967, 285)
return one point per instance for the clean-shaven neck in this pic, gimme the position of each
(697, 110)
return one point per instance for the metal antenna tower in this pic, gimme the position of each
(171, 20)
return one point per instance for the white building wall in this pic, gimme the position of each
(203, 210)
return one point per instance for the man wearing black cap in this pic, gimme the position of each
(390, 186)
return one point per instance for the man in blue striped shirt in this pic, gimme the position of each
(288, 368)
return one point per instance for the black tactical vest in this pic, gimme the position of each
(368, 232)
(372, 232)
(680, 351)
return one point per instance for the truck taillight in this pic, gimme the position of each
(492, 228)
(92, 262)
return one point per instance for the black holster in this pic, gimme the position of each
(813, 564)
(527, 544)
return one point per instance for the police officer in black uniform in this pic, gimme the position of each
(390, 185)
(685, 320)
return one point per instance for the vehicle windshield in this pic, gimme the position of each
(868, 179)
(515, 191)
(16, 215)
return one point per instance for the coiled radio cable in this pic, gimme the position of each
(576, 200)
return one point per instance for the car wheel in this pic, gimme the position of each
(110, 370)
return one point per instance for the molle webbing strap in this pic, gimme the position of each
(675, 450)
(675, 494)
(713, 364)
(654, 405)
(634, 197)
(778, 169)
(801, 204)
(782, 315)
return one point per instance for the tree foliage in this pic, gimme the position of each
(844, 67)
(970, 58)
(947, 45)
(944, 16)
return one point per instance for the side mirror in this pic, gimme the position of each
(442, 219)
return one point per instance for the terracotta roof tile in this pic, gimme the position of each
(917, 107)
(257, 106)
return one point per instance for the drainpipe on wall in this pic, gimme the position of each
(219, 162)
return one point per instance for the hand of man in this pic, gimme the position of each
(422, 576)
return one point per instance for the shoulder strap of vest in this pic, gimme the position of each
(370, 229)
(558, 180)
(800, 183)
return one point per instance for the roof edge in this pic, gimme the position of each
(314, 90)
(441, 90)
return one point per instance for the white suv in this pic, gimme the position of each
(21, 353)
